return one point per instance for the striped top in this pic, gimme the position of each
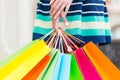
(88, 20)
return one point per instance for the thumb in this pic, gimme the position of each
(64, 19)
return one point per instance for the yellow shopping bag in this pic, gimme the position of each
(19, 52)
(21, 65)
(36, 71)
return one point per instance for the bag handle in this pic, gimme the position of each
(66, 42)
(69, 40)
(57, 40)
(61, 43)
(53, 40)
(45, 36)
(49, 44)
(75, 39)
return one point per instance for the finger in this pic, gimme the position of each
(54, 5)
(51, 1)
(55, 23)
(66, 10)
(65, 20)
(59, 11)
(56, 9)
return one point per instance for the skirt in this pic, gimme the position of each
(88, 20)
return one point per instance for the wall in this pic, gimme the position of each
(16, 23)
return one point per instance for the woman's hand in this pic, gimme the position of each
(55, 23)
(57, 9)
(58, 6)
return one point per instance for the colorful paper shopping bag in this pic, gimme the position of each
(22, 64)
(75, 72)
(62, 69)
(36, 71)
(57, 67)
(65, 67)
(88, 70)
(48, 71)
(13, 56)
(106, 69)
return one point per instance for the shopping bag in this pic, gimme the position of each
(62, 69)
(57, 67)
(75, 72)
(47, 72)
(36, 71)
(88, 70)
(13, 56)
(106, 69)
(22, 64)
(64, 72)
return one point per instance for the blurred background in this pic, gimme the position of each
(113, 50)
(17, 20)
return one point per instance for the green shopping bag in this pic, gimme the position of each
(47, 72)
(56, 71)
(13, 56)
(75, 73)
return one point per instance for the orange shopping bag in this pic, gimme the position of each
(106, 69)
(35, 72)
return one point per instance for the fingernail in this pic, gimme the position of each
(63, 15)
(50, 2)
(66, 24)
(55, 17)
